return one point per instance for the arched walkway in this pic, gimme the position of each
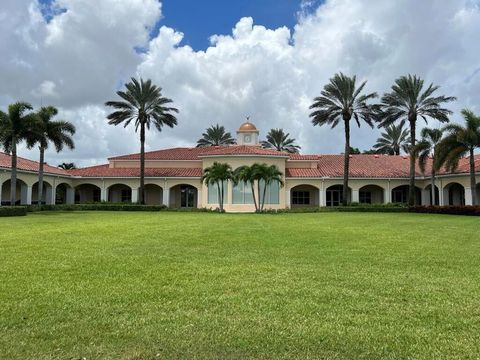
(304, 196)
(454, 194)
(428, 196)
(119, 193)
(400, 195)
(371, 194)
(64, 194)
(47, 194)
(21, 194)
(334, 195)
(183, 196)
(87, 193)
(153, 194)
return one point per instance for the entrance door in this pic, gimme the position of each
(187, 197)
(334, 197)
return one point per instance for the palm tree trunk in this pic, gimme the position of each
(219, 196)
(252, 184)
(473, 182)
(411, 187)
(142, 163)
(264, 193)
(432, 182)
(260, 205)
(13, 175)
(346, 163)
(40, 176)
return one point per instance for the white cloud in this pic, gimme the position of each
(270, 74)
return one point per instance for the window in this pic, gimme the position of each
(126, 195)
(242, 193)
(399, 196)
(365, 197)
(334, 196)
(300, 197)
(272, 192)
(187, 196)
(213, 193)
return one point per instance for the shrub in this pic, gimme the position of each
(352, 208)
(13, 211)
(103, 206)
(449, 210)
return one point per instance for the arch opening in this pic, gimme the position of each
(183, 196)
(454, 194)
(153, 194)
(21, 193)
(119, 193)
(87, 193)
(371, 194)
(400, 195)
(304, 196)
(334, 195)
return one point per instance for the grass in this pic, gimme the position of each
(188, 285)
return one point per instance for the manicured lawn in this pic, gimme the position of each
(183, 285)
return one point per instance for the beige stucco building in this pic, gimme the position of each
(173, 178)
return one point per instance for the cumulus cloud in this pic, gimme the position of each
(81, 56)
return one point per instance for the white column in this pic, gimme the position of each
(355, 196)
(288, 193)
(70, 196)
(199, 197)
(49, 196)
(323, 197)
(26, 195)
(166, 197)
(135, 195)
(103, 194)
(468, 196)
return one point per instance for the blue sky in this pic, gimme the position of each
(198, 20)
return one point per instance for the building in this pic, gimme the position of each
(173, 178)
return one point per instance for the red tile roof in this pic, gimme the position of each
(303, 157)
(242, 150)
(106, 171)
(197, 153)
(28, 165)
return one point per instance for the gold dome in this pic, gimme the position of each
(247, 126)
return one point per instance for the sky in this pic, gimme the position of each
(220, 61)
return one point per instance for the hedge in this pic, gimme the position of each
(385, 208)
(13, 211)
(110, 207)
(449, 210)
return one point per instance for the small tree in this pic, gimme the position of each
(425, 149)
(279, 140)
(67, 166)
(215, 135)
(461, 141)
(393, 140)
(248, 175)
(15, 125)
(218, 174)
(266, 174)
(46, 130)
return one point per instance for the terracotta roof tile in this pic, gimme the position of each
(179, 153)
(106, 171)
(28, 165)
(242, 150)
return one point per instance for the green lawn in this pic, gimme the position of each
(144, 285)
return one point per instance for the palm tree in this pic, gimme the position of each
(67, 166)
(15, 126)
(218, 174)
(393, 140)
(461, 141)
(248, 175)
(144, 104)
(215, 135)
(266, 174)
(425, 148)
(341, 100)
(46, 130)
(279, 140)
(407, 100)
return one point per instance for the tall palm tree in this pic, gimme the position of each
(340, 101)
(461, 141)
(46, 130)
(279, 140)
(266, 174)
(67, 166)
(218, 174)
(408, 100)
(393, 140)
(215, 135)
(427, 148)
(144, 105)
(15, 126)
(248, 175)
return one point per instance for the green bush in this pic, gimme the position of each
(448, 210)
(13, 211)
(387, 208)
(111, 207)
